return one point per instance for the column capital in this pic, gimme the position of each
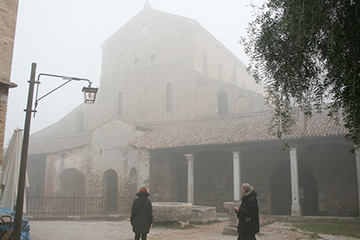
(236, 154)
(190, 156)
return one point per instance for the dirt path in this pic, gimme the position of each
(90, 230)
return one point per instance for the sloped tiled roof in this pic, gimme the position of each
(231, 130)
(57, 144)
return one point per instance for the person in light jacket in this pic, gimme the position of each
(248, 214)
(141, 214)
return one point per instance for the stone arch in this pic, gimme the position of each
(135, 58)
(205, 63)
(152, 54)
(121, 62)
(71, 182)
(169, 51)
(202, 100)
(242, 105)
(110, 189)
(222, 103)
(182, 48)
(280, 189)
(220, 72)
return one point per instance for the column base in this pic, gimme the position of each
(295, 210)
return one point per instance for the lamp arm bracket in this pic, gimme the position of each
(69, 79)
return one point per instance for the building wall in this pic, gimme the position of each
(108, 152)
(213, 60)
(156, 49)
(8, 16)
(171, 51)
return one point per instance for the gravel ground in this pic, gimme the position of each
(81, 230)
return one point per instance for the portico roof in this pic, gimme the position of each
(58, 144)
(232, 129)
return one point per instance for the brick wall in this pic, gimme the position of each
(8, 15)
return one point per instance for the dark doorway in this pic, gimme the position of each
(110, 184)
(280, 184)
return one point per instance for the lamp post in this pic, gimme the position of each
(89, 94)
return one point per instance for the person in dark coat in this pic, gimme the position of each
(141, 214)
(248, 214)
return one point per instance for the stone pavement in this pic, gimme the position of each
(90, 230)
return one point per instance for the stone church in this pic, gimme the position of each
(177, 112)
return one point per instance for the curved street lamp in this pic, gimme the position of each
(89, 96)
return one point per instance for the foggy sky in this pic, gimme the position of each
(64, 37)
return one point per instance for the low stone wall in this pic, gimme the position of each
(171, 211)
(203, 214)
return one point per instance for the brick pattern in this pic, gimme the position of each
(8, 16)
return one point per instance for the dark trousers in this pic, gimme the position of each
(244, 236)
(137, 236)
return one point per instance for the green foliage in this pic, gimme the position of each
(344, 228)
(306, 52)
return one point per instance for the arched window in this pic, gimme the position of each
(168, 97)
(120, 104)
(204, 64)
(145, 30)
(202, 100)
(222, 103)
(219, 72)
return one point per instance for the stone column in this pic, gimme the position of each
(237, 176)
(144, 169)
(357, 153)
(295, 205)
(190, 191)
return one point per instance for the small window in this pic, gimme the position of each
(204, 64)
(153, 57)
(219, 72)
(222, 101)
(120, 104)
(168, 97)
(145, 30)
(136, 61)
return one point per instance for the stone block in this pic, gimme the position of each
(229, 206)
(203, 214)
(230, 231)
(171, 211)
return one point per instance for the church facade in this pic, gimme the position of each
(177, 112)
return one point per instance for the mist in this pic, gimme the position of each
(65, 38)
